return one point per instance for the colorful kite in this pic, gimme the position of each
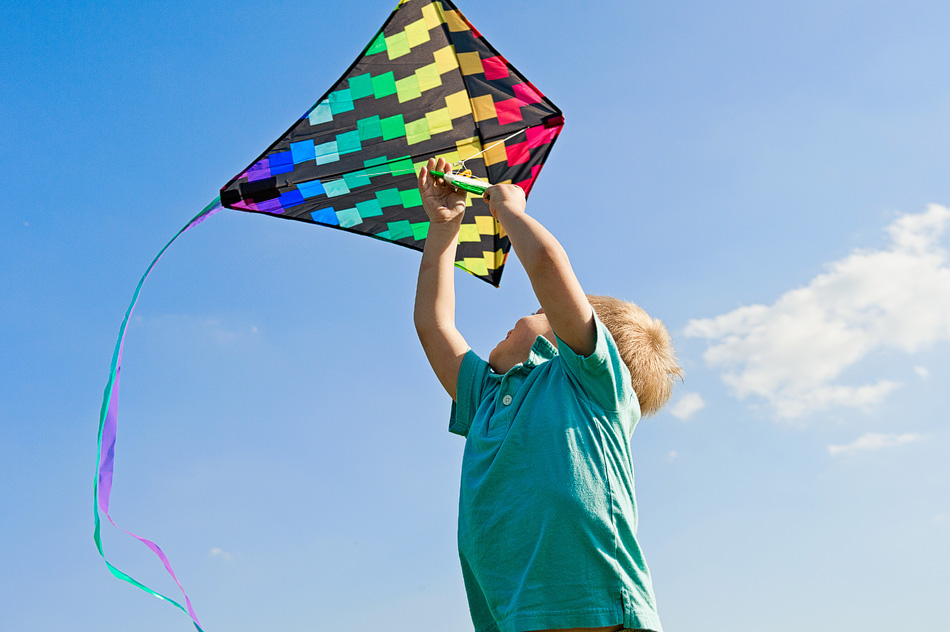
(427, 85)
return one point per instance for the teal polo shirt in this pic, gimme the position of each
(547, 510)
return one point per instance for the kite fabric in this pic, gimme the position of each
(427, 85)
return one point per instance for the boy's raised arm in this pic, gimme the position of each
(557, 288)
(434, 313)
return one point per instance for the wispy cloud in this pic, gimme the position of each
(220, 554)
(792, 353)
(873, 441)
(687, 406)
(224, 334)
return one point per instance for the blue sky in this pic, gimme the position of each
(769, 178)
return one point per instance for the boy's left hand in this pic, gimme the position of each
(505, 197)
(443, 203)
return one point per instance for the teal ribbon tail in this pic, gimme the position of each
(105, 445)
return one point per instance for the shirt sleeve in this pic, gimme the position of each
(602, 375)
(473, 374)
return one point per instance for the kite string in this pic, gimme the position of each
(461, 163)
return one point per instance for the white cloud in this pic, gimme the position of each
(922, 372)
(220, 553)
(791, 353)
(672, 455)
(873, 441)
(687, 406)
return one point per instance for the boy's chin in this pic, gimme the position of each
(496, 363)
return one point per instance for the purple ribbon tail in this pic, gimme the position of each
(108, 427)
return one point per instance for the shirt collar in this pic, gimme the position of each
(541, 351)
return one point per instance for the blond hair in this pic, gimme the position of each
(645, 347)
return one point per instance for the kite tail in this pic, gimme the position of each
(105, 449)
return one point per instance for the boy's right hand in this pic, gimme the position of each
(443, 203)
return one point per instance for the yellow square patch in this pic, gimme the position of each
(470, 63)
(494, 155)
(483, 107)
(495, 260)
(445, 59)
(417, 131)
(439, 121)
(486, 224)
(408, 89)
(469, 232)
(458, 104)
(428, 77)
(455, 21)
(468, 147)
(417, 32)
(432, 14)
(451, 157)
(475, 266)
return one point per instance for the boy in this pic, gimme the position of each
(547, 513)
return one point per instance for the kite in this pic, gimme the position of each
(427, 85)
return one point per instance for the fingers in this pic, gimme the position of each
(501, 189)
(426, 179)
(424, 175)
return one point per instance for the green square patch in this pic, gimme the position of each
(369, 208)
(389, 197)
(361, 86)
(356, 179)
(376, 167)
(401, 166)
(411, 198)
(369, 128)
(340, 101)
(372, 162)
(378, 45)
(393, 127)
(399, 230)
(384, 85)
(420, 230)
(348, 142)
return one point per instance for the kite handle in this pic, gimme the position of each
(461, 182)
